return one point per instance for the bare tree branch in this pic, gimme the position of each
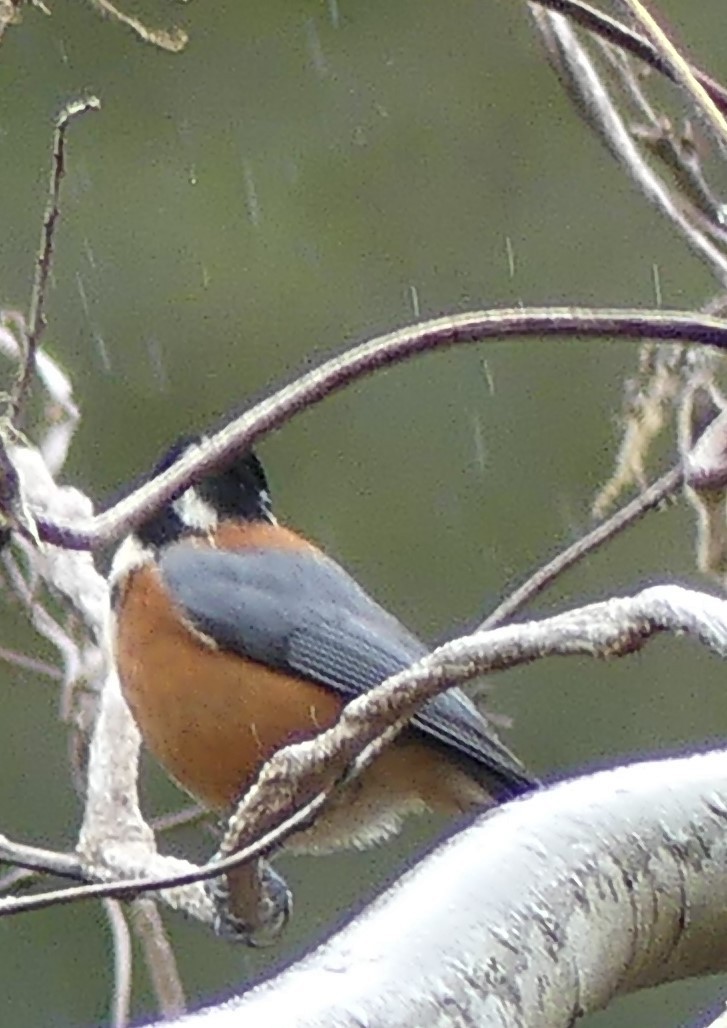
(681, 73)
(160, 960)
(582, 82)
(540, 912)
(33, 858)
(17, 878)
(123, 964)
(28, 663)
(297, 782)
(354, 364)
(629, 41)
(36, 316)
(172, 40)
(649, 500)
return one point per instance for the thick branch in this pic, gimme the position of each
(541, 911)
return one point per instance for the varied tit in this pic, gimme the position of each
(235, 635)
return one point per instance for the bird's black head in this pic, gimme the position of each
(237, 489)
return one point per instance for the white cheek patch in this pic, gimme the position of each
(195, 513)
(131, 555)
(267, 506)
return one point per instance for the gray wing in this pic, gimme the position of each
(299, 611)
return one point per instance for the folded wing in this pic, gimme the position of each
(299, 611)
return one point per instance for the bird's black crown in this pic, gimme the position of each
(238, 489)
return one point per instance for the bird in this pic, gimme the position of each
(235, 635)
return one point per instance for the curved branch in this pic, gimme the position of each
(539, 912)
(613, 31)
(297, 781)
(362, 360)
(680, 72)
(586, 88)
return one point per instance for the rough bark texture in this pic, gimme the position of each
(539, 912)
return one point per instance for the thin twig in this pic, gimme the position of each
(123, 963)
(18, 876)
(44, 260)
(42, 620)
(28, 663)
(160, 959)
(676, 149)
(35, 858)
(680, 71)
(620, 35)
(192, 814)
(584, 84)
(131, 888)
(172, 40)
(380, 352)
(661, 489)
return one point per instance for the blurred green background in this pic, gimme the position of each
(305, 175)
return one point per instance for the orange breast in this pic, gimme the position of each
(210, 717)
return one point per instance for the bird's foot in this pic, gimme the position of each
(252, 904)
